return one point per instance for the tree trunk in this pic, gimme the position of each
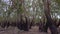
(49, 19)
(26, 25)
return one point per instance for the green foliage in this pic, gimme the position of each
(19, 8)
(58, 1)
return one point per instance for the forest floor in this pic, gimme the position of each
(15, 30)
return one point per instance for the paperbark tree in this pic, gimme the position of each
(49, 23)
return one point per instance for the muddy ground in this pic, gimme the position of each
(15, 30)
